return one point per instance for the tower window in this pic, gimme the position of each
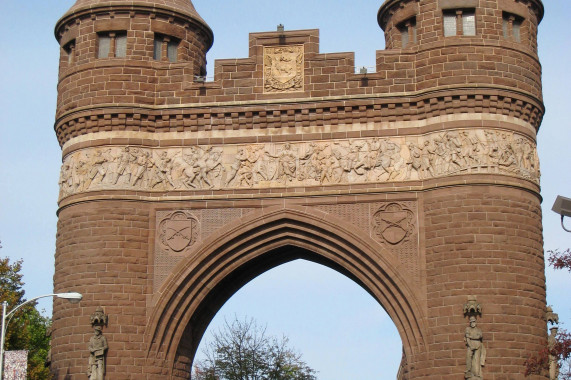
(407, 31)
(165, 48)
(69, 49)
(459, 22)
(512, 27)
(121, 45)
(112, 44)
(172, 50)
(104, 46)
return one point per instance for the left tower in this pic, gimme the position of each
(119, 59)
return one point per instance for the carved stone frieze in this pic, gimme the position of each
(283, 68)
(317, 163)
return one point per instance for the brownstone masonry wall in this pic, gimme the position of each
(419, 181)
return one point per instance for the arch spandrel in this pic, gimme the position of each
(256, 243)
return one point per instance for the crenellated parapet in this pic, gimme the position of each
(489, 72)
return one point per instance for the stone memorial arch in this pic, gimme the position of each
(419, 181)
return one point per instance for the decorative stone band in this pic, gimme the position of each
(300, 164)
(329, 115)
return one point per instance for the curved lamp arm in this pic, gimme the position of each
(73, 297)
(562, 225)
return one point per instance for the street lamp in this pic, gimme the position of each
(72, 297)
(562, 206)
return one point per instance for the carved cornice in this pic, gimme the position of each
(267, 115)
(389, 7)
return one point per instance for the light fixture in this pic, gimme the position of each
(562, 206)
(72, 297)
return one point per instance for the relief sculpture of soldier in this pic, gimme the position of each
(415, 161)
(306, 164)
(287, 163)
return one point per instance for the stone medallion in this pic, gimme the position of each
(393, 223)
(178, 231)
(283, 68)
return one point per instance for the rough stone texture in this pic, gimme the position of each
(448, 236)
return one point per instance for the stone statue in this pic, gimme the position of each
(97, 346)
(475, 351)
(553, 319)
(553, 359)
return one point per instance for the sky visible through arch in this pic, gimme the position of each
(340, 330)
(30, 160)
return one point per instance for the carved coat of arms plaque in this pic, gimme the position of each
(393, 223)
(283, 68)
(178, 231)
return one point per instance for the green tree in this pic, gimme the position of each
(241, 350)
(28, 328)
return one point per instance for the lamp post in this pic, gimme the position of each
(562, 206)
(71, 297)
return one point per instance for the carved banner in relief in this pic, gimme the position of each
(393, 223)
(317, 163)
(283, 68)
(178, 231)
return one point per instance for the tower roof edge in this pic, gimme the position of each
(183, 7)
(387, 5)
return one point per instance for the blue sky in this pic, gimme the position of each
(339, 328)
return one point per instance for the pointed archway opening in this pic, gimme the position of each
(203, 282)
(338, 327)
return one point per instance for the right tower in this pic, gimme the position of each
(477, 62)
